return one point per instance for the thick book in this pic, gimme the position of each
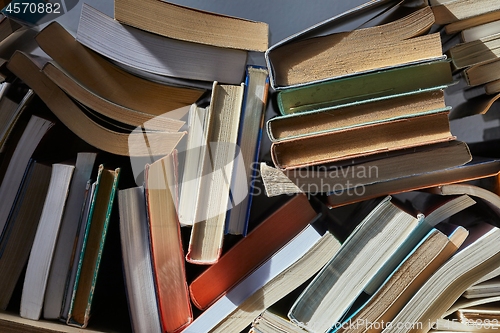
(489, 288)
(448, 11)
(33, 133)
(193, 25)
(93, 244)
(361, 141)
(463, 303)
(379, 168)
(21, 228)
(406, 105)
(250, 252)
(287, 269)
(69, 225)
(253, 113)
(478, 168)
(474, 52)
(353, 52)
(167, 253)
(92, 80)
(475, 258)
(482, 73)
(434, 249)
(41, 255)
(207, 234)
(72, 116)
(157, 54)
(137, 268)
(365, 87)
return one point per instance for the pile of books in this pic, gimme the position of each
(128, 161)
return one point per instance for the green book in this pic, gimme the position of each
(365, 87)
(93, 244)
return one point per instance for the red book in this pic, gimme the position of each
(246, 255)
(166, 247)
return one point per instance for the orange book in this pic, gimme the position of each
(246, 255)
(166, 247)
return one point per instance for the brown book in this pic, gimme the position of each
(93, 81)
(347, 53)
(448, 11)
(166, 247)
(361, 141)
(474, 21)
(193, 25)
(475, 52)
(483, 73)
(268, 237)
(78, 122)
(414, 270)
(7, 26)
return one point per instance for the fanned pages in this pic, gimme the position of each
(166, 247)
(207, 234)
(44, 244)
(157, 54)
(134, 231)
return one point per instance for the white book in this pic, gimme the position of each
(69, 226)
(44, 244)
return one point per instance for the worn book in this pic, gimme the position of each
(471, 22)
(269, 322)
(486, 316)
(42, 251)
(137, 268)
(137, 101)
(71, 115)
(406, 105)
(463, 303)
(193, 25)
(475, 52)
(284, 271)
(21, 228)
(362, 88)
(253, 112)
(93, 244)
(448, 11)
(483, 72)
(69, 225)
(489, 288)
(361, 141)
(167, 253)
(353, 52)
(33, 133)
(378, 168)
(250, 252)
(207, 234)
(156, 54)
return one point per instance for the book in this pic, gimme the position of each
(354, 52)
(345, 276)
(207, 234)
(474, 259)
(263, 241)
(134, 236)
(304, 124)
(366, 171)
(463, 302)
(66, 238)
(21, 228)
(8, 27)
(92, 80)
(479, 32)
(352, 142)
(291, 266)
(44, 244)
(493, 274)
(193, 25)
(192, 171)
(482, 73)
(78, 122)
(365, 87)
(434, 249)
(471, 22)
(485, 316)
(33, 133)
(157, 54)
(249, 141)
(476, 169)
(489, 288)
(166, 247)
(93, 244)
(269, 322)
(474, 52)
(492, 87)
(448, 11)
